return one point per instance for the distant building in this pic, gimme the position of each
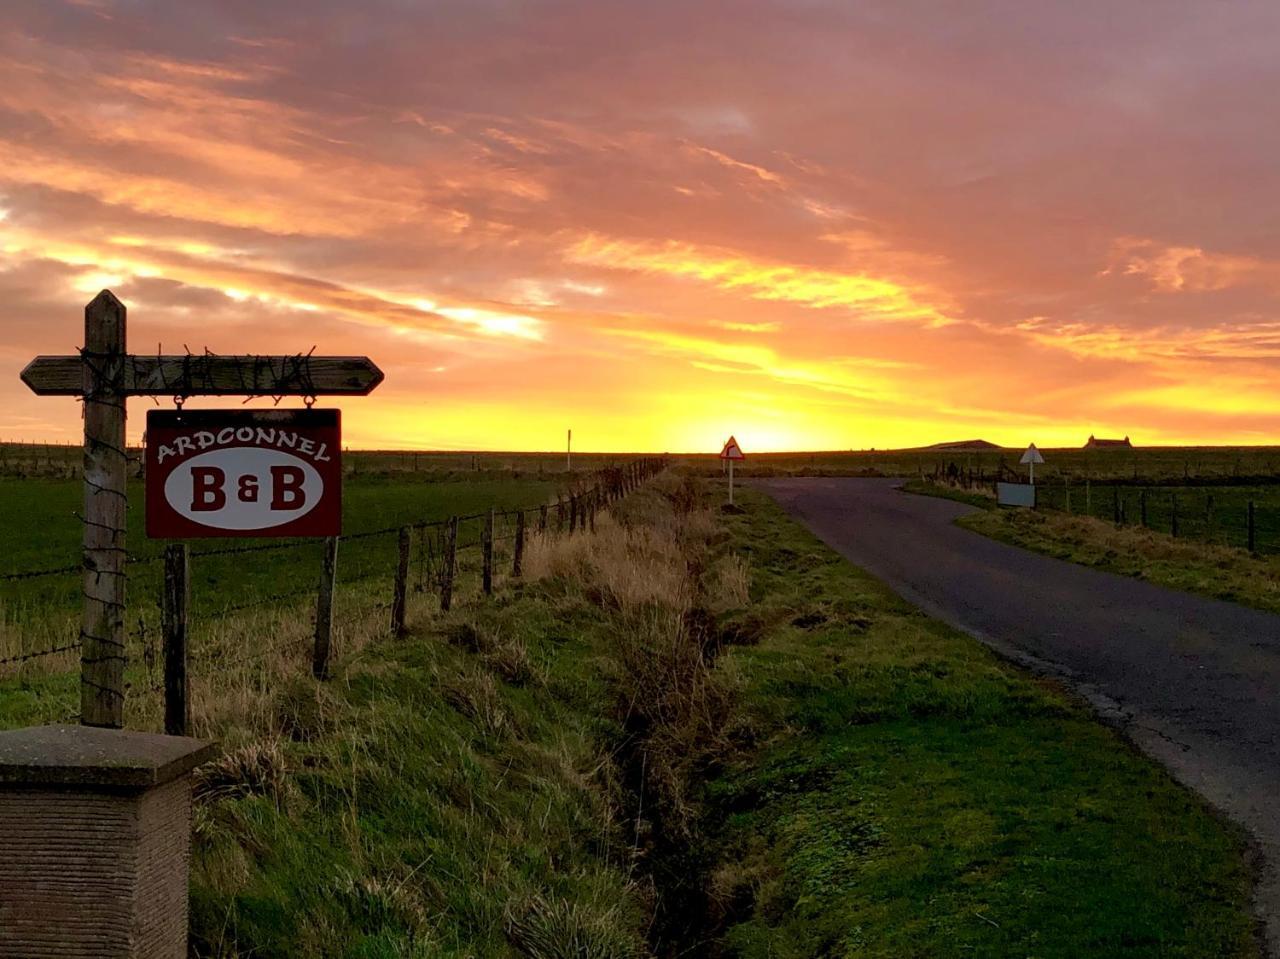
(1098, 444)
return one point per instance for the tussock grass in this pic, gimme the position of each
(472, 789)
(1220, 572)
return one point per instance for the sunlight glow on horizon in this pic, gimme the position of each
(709, 231)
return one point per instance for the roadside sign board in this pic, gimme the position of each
(1029, 459)
(243, 473)
(1016, 494)
(732, 451)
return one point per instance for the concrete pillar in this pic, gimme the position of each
(95, 840)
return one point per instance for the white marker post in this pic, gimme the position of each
(1030, 458)
(731, 452)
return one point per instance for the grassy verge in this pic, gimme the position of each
(507, 781)
(979, 498)
(914, 796)
(689, 734)
(1219, 572)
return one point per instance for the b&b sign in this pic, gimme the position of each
(244, 473)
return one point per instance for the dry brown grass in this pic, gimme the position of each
(644, 569)
(1218, 571)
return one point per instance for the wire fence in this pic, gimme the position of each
(1243, 517)
(1222, 514)
(234, 622)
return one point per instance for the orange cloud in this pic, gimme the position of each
(869, 297)
(1191, 269)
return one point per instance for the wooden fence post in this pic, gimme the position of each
(400, 598)
(173, 615)
(573, 514)
(324, 610)
(448, 563)
(1173, 519)
(486, 548)
(542, 518)
(517, 558)
(102, 650)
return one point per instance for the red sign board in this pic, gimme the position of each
(732, 451)
(244, 473)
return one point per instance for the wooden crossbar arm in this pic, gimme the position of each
(213, 375)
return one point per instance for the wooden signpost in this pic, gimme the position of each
(104, 375)
(731, 453)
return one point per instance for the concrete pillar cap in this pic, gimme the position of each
(64, 755)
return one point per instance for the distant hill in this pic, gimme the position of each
(963, 446)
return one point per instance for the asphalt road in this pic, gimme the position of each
(1194, 682)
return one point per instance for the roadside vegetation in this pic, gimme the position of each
(912, 795)
(1208, 569)
(691, 732)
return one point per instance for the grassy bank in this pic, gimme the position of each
(914, 796)
(1220, 572)
(1209, 569)
(509, 780)
(689, 733)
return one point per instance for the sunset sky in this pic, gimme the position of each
(816, 224)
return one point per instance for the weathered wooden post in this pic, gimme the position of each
(102, 652)
(517, 558)
(573, 514)
(542, 519)
(103, 375)
(400, 597)
(324, 610)
(448, 564)
(486, 548)
(176, 600)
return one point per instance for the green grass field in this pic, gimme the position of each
(238, 598)
(1153, 465)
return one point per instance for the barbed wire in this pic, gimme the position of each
(431, 563)
(23, 657)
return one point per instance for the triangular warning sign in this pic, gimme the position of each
(732, 451)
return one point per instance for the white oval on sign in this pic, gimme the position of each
(244, 487)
